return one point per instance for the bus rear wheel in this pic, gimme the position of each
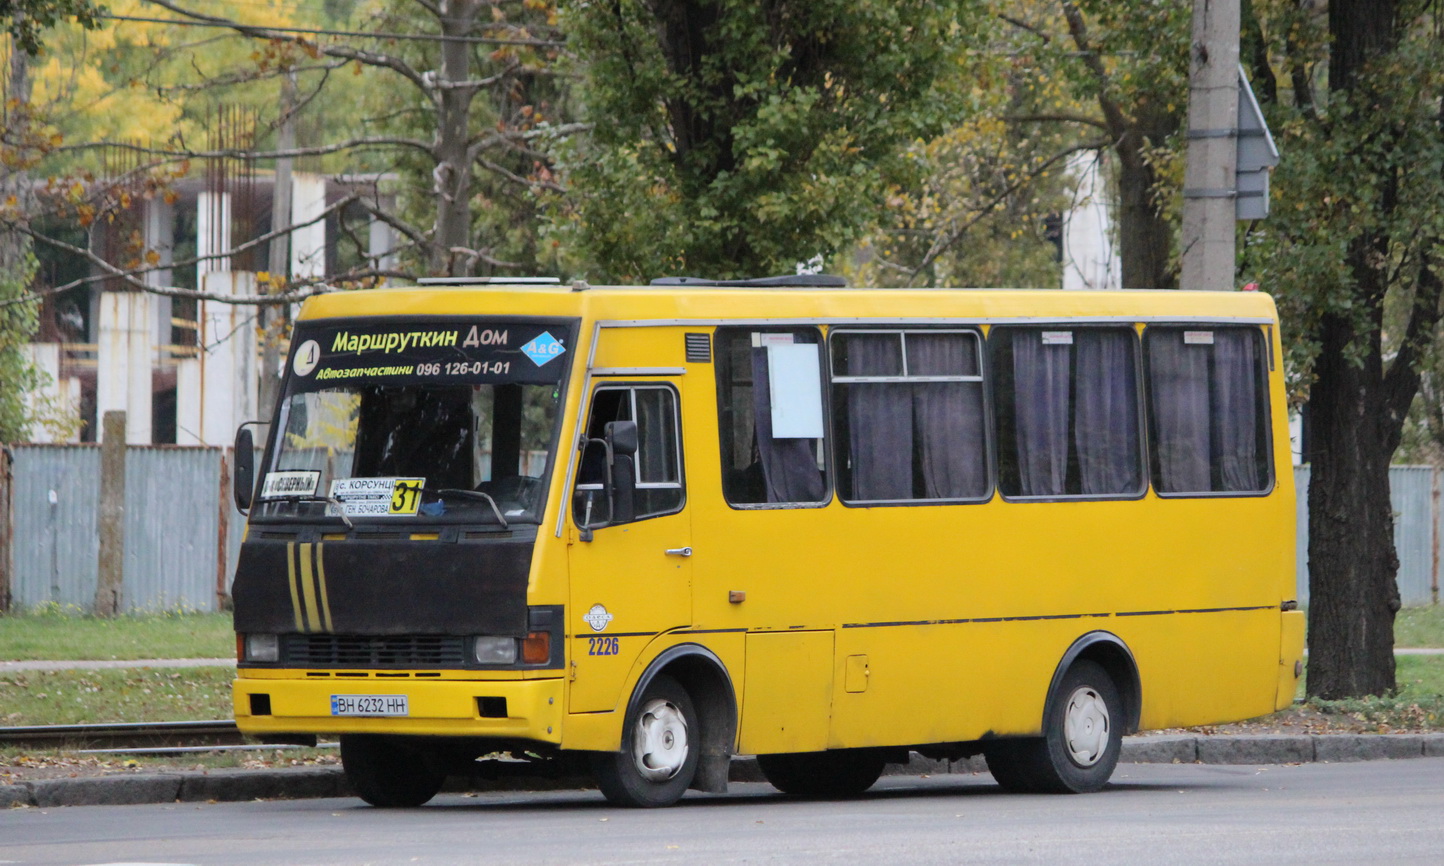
(823, 775)
(387, 773)
(661, 742)
(1082, 738)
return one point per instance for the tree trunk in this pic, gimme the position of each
(453, 174)
(1145, 235)
(1356, 412)
(1352, 593)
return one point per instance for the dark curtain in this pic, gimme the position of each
(1105, 413)
(1041, 377)
(1179, 400)
(1235, 408)
(947, 417)
(879, 420)
(789, 466)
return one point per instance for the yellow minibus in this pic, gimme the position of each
(649, 528)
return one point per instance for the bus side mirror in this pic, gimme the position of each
(622, 442)
(622, 437)
(244, 486)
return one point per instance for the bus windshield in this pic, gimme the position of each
(449, 433)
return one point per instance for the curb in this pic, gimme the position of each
(297, 783)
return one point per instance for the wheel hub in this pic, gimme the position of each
(1086, 726)
(660, 742)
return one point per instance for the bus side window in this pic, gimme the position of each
(770, 421)
(1208, 409)
(657, 466)
(1067, 409)
(908, 413)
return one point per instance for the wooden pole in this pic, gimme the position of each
(7, 462)
(111, 571)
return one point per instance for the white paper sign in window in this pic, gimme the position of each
(795, 378)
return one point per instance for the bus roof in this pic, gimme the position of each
(702, 305)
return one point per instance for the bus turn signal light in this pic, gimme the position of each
(536, 648)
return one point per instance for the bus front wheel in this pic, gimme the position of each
(1082, 738)
(661, 742)
(388, 773)
(823, 775)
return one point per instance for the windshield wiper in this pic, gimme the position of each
(330, 500)
(478, 495)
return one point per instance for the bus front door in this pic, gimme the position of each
(632, 580)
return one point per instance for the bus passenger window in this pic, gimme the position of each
(657, 471)
(762, 465)
(908, 411)
(1208, 409)
(1067, 409)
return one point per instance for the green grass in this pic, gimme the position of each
(74, 697)
(1418, 703)
(1420, 626)
(53, 635)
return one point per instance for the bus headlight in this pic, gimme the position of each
(263, 648)
(494, 650)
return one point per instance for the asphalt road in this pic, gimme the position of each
(1372, 812)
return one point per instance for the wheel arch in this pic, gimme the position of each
(1110, 652)
(709, 684)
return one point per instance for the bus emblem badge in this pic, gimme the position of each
(598, 617)
(543, 348)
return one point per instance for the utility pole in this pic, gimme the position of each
(1209, 185)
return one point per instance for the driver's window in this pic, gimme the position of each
(656, 468)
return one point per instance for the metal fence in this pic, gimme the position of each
(182, 533)
(1414, 497)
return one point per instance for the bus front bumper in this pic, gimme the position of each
(501, 709)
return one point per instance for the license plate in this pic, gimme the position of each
(369, 705)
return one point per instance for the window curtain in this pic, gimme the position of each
(1235, 415)
(1178, 395)
(1106, 420)
(789, 466)
(947, 417)
(879, 420)
(1041, 377)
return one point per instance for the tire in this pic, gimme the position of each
(823, 775)
(1082, 738)
(661, 743)
(388, 773)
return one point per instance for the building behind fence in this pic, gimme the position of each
(182, 532)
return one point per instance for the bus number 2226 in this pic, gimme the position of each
(601, 646)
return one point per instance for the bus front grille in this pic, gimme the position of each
(368, 651)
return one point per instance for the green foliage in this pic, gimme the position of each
(735, 138)
(18, 375)
(26, 19)
(1363, 167)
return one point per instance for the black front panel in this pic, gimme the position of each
(383, 587)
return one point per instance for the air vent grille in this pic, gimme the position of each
(699, 348)
(369, 651)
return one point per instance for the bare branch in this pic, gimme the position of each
(1061, 117)
(132, 276)
(1113, 115)
(370, 58)
(508, 174)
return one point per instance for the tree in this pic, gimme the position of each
(739, 138)
(25, 21)
(1355, 233)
